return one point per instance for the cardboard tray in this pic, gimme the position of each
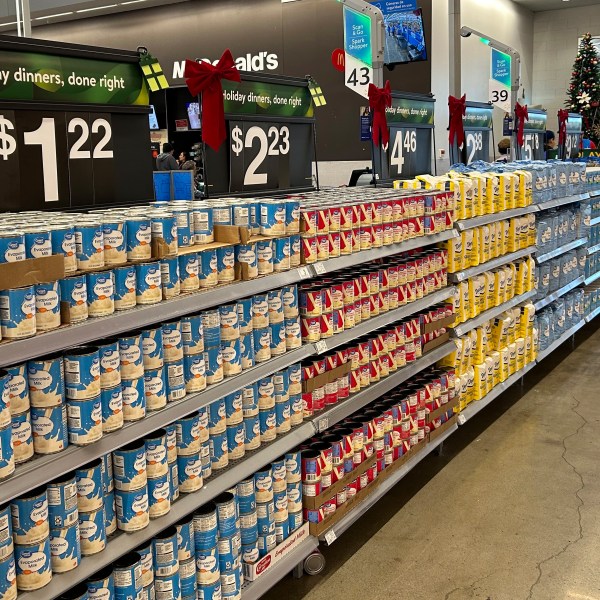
(30, 271)
(324, 378)
(444, 427)
(438, 412)
(439, 324)
(429, 346)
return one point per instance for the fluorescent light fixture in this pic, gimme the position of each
(84, 10)
(52, 16)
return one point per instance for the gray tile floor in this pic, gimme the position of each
(510, 511)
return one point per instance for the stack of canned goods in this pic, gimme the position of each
(332, 305)
(381, 434)
(372, 357)
(338, 223)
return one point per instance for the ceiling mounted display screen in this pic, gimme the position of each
(404, 37)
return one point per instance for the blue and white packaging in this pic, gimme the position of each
(249, 528)
(30, 517)
(205, 527)
(127, 577)
(110, 364)
(114, 232)
(187, 577)
(252, 432)
(189, 272)
(62, 238)
(245, 254)
(185, 539)
(279, 473)
(280, 501)
(132, 509)
(296, 409)
(62, 502)
(272, 217)
(192, 334)
(12, 246)
(209, 272)
(129, 466)
(84, 421)
(263, 485)
(231, 584)
(250, 400)
(292, 216)
(229, 549)
(266, 392)
(132, 356)
(281, 385)
(89, 245)
(234, 408)
(264, 253)
(278, 339)
(229, 322)
(156, 453)
(236, 437)
(295, 251)
(246, 496)
(184, 226)
(190, 473)
(165, 553)
(100, 293)
(73, 293)
(169, 276)
(159, 495)
(174, 480)
(203, 225)
(281, 254)
(213, 361)
(209, 591)
(16, 443)
(139, 239)
(148, 285)
(282, 417)
(289, 295)
(207, 565)
(294, 496)
(110, 513)
(231, 352)
(167, 587)
(164, 226)
(219, 450)
(17, 387)
(293, 333)
(46, 382)
(189, 435)
(275, 306)
(247, 351)
(147, 562)
(225, 264)
(250, 553)
(217, 411)
(152, 348)
(17, 317)
(262, 344)
(282, 530)
(33, 567)
(112, 409)
(82, 373)
(260, 311)
(101, 586)
(49, 428)
(172, 341)
(244, 311)
(293, 469)
(47, 306)
(90, 486)
(295, 520)
(195, 373)
(155, 389)
(125, 286)
(92, 532)
(211, 326)
(134, 399)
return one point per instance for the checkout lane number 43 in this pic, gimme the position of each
(274, 142)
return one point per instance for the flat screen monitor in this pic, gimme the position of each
(193, 110)
(404, 37)
(153, 119)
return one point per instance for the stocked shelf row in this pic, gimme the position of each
(558, 293)
(492, 218)
(562, 201)
(563, 338)
(593, 249)
(592, 315)
(591, 278)
(467, 326)
(490, 264)
(541, 258)
(142, 316)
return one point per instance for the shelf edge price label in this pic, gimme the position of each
(320, 268)
(321, 347)
(322, 424)
(330, 537)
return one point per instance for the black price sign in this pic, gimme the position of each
(573, 138)
(477, 124)
(270, 143)
(71, 135)
(533, 136)
(410, 150)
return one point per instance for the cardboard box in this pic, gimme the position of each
(439, 324)
(266, 563)
(445, 426)
(429, 346)
(324, 378)
(30, 271)
(438, 412)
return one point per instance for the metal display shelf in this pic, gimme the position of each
(542, 354)
(541, 258)
(594, 193)
(593, 249)
(43, 469)
(558, 293)
(123, 543)
(490, 264)
(592, 315)
(499, 216)
(343, 524)
(485, 316)
(384, 319)
(595, 221)
(562, 201)
(343, 262)
(359, 400)
(252, 590)
(478, 405)
(592, 278)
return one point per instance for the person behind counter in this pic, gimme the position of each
(503, 149)
(165, 161)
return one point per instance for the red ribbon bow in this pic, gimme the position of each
(563, 117)
(458, 109)
(204, 78)
(379, 100)
(521, 115)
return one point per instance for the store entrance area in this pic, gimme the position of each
(509, 511)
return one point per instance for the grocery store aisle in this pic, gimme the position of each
(511, 511)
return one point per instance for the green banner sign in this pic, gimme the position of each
(410, 111)
(536, 122)
(260, 98)
(478, 117)
(51, 78)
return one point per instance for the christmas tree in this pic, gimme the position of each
(584, 90)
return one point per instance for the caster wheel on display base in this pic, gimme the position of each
(314, 564)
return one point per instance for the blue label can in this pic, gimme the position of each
(164, 552)
(6, 534)
(108, 483)
(280, 500)
(234, 408)
(205, 527)
(49, 427)
(282, 530)
(132, 356)
(222, 214)
(134, 399)
(264, 253)
(172, 341)
(213, 361)
(127, 576)
(279, 474)
(295, 520)
(110, 364)
(62, 502)
(218, 450)
(263, 484)
(206, 462)
(101, 586)
(189, 272)
(82, 373)
(281, 385)
(203, 225)
(295, 251)
(16, 443)
(132, 509)
(244, 312)
(229, 549)
(209, 271)
(169, 274)
(262, 344)
(266, 392)
(130, 469)
(293, 466)
(249, 528)
(30, 517)
(84, 421)
(47, 306)
(247, 259)
(278, 340)
(275, 306)
(115, 246)
(281, 254)
(159, 495)
(139, 238)
(187, 576)
(37, 243)
(250, 400)
(252, 432)
(101, 293)
(296, 409)
(110, 513)
(250, 553)
(125, 286)
(192, 334)
(152, 348)
(175, 378)
(289, 296)
(184, 227)
(272, 217)
(156, 454)
(17, 387)
(217, 416)
(171, 430)
(229, 322)
(164, 226)
(174, 480)
(112, 409)
(236, 437)
(195, 373)
(17, 313)
(90, 486)
(12, 247)
(209, 591)
(185, 538)
(148, 285)
(260, 311)
(92, 528)
(147, 562)
(247, 351)
(292, 216)
(65, 549)
(167, 587)
(294, 496)
(189, 435)
(246, 496)
(293, 333)
(33, 567)
(73, 293)
(266, 543)
(282, 417)
(231, 352)
(46, 381)
(207, 565)
(211, 326)
(231, 584)
(241, 215)
(89, 245)
(190, 473)
(225, 264)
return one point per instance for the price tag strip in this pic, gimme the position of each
(410, 151)
(270, 144)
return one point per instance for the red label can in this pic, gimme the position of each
(323, 246)
(334, 217)
(377, 236)
(309, 250)
(326, 324)
(346, 217)
(334, 244)
(310, 329)
(348, 291)
(355, 239)
(326, 299)
(322, 221)
(310, 302)
(337, 294)
(345, 243)
(308, 222)
(337, 320)
(311, 465)
(366, 213)
(354, 381)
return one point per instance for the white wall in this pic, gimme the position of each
(556, 33)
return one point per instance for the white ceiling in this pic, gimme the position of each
(539, 5)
